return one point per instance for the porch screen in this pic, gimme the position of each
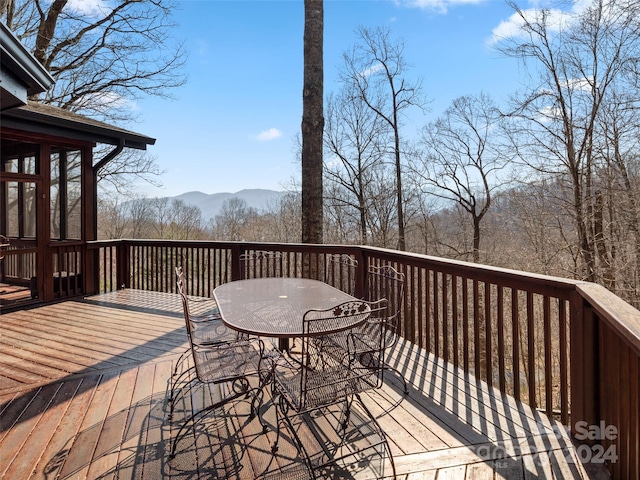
(65, 194)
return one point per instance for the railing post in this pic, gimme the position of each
(90, 269)
(361, 273)
(585, 405)
(124, 264)
(236, 269)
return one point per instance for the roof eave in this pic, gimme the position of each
(22, 63)
(36, 122)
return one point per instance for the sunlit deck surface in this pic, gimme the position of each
(83, 390)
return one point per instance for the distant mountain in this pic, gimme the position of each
(211, 204)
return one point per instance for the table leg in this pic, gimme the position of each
(283, 344)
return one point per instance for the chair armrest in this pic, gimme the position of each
(214, 316)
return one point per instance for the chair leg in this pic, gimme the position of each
(181, 359)
(282, 407)
(346, 412)
(369, 360)
(404, 380)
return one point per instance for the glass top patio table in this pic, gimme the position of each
(274, 307)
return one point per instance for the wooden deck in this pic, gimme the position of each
(83, 389)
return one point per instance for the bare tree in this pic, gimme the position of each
(121, 173)
(185, 221)
(463, 158)
(381, 214)
(234, 220)
(376, 68)
(160, 208)
(283, 219)
(579, 61)
(354, 140)
(141, 217)
(617, 194)
(312, 122)
(103, 57)
(540, 228)
(112, 219)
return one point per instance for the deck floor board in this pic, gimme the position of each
(84, 394)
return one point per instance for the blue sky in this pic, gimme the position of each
(233, 124)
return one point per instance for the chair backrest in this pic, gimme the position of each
(386, 282)
(261, 264)
(181, 282)
(321, 353)
(340, 270)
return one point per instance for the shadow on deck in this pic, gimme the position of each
(83, 394)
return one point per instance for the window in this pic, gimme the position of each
(66, 186)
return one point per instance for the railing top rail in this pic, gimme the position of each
(622, 316)
(500, 276)
(615, 312)
(471, 267)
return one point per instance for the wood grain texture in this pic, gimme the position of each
(87, 398)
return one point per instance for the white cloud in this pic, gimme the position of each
(439, 6)
(268, 135)
(556, 20)
(88, 7)
(371, 70)
(507, 29)
(579, 84)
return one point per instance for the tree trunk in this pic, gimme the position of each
(401, 234)
(476, 238)
(46, 31)
(312, 122)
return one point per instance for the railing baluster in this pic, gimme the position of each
(476, 329)
(548, 350)
(417, 297)
(488, 333)
(428, 306)
(564, 362)
(454, 316)
(501, 349)
(445, 317)
(436, 315)
(515, 329)
(531, 351)
(465, 323)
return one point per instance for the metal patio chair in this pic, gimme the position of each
(206, 327)
(261, 264)
(230, 360)
(340, 271)
(326, 376)
(380, 333)
(373, 339)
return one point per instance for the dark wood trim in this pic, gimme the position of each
(89, 222)
(20, 177)
(40, 138)
(43, 230)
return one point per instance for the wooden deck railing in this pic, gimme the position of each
(63, 264)
(571, 349)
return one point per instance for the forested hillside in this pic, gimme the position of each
(547, 182)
